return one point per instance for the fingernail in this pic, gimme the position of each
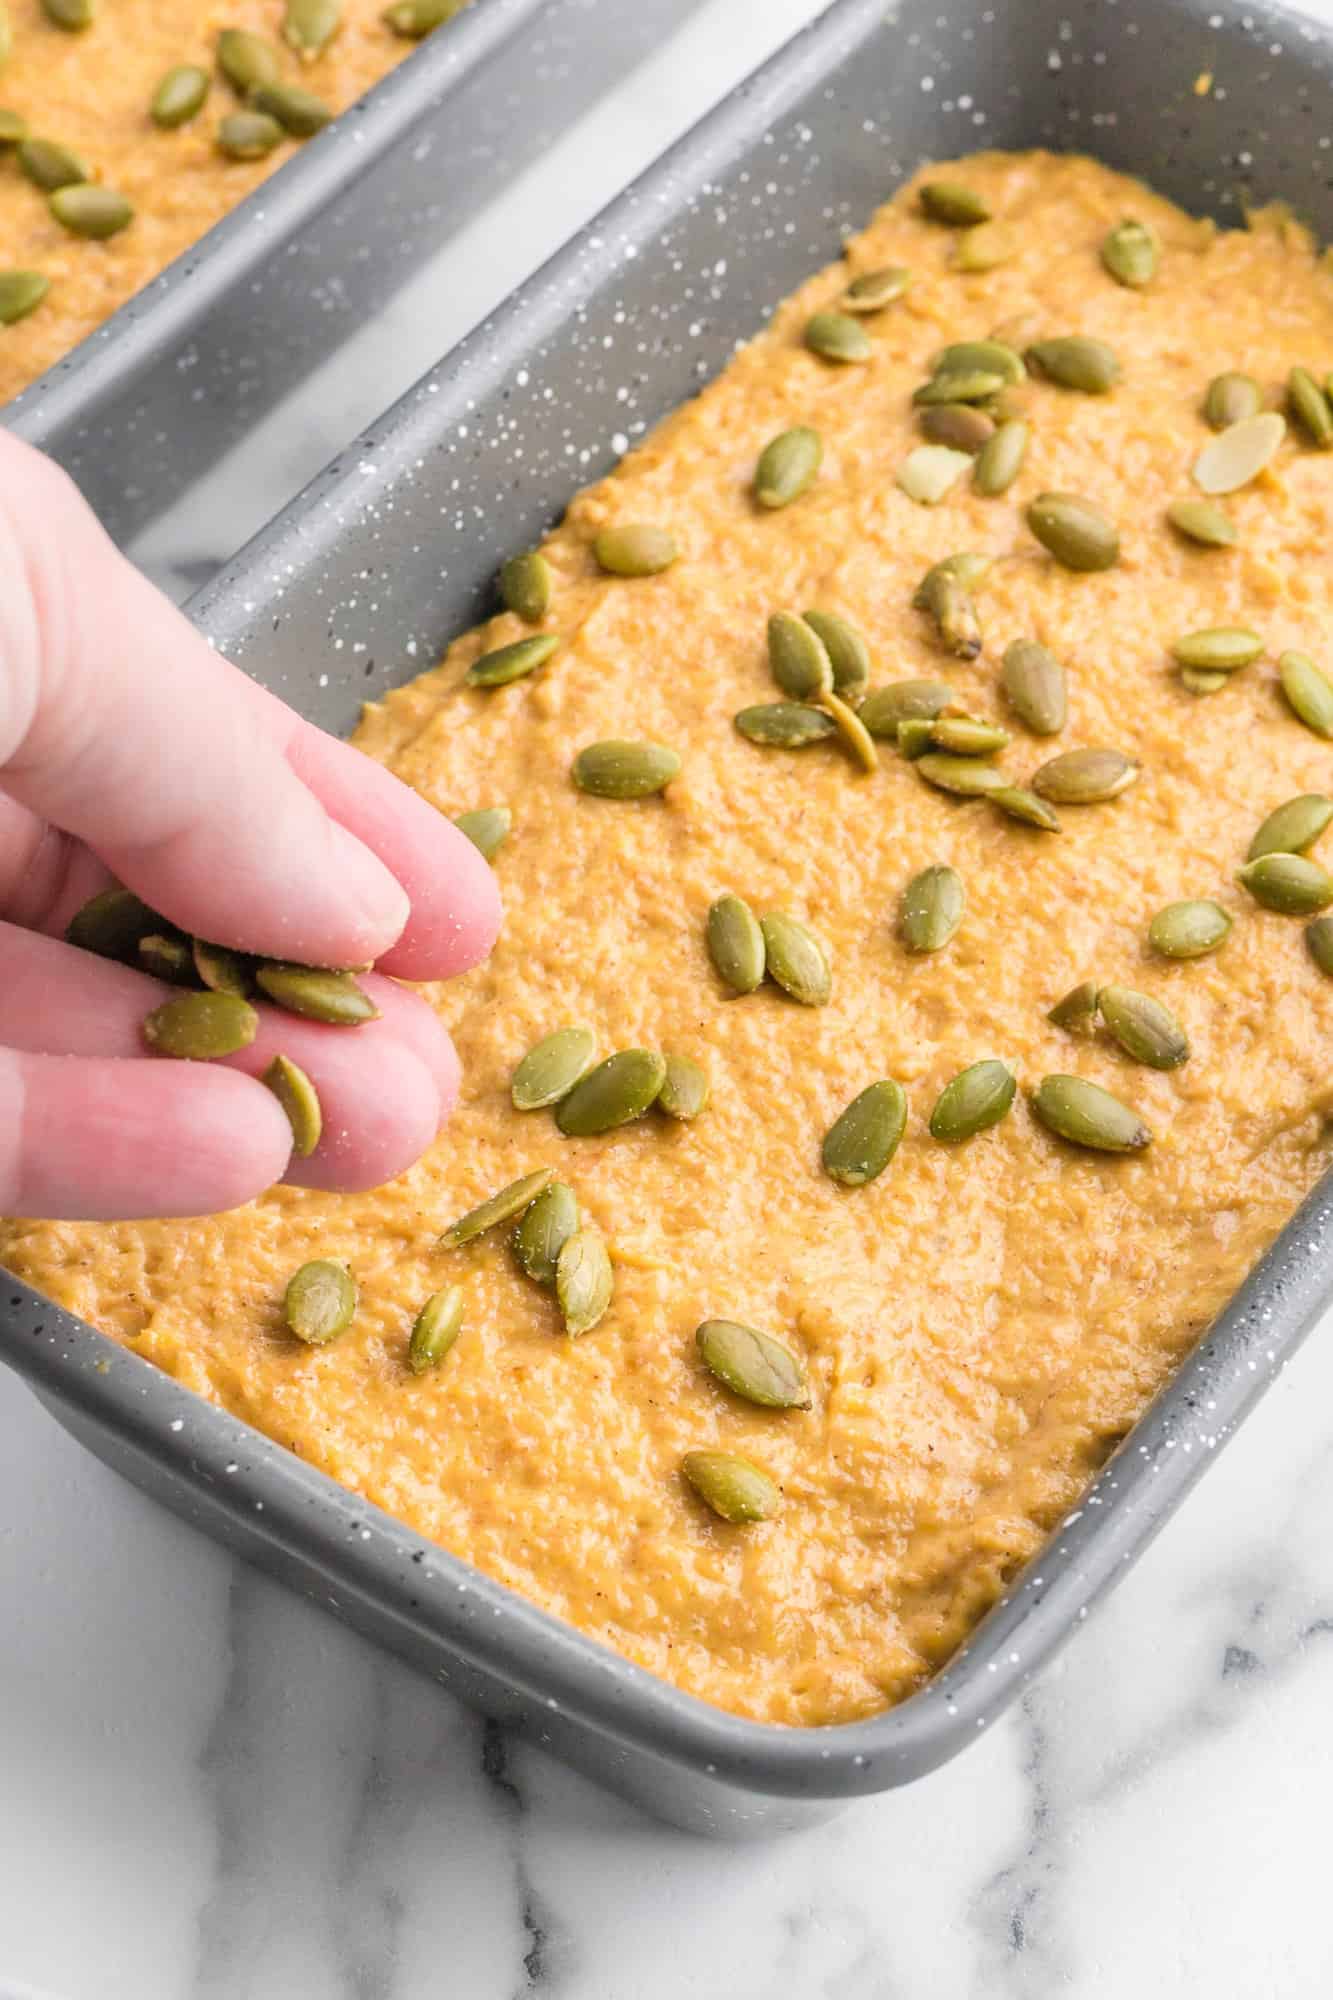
(376, 898)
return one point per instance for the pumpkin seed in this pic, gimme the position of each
(525, 586)
(1239, 453)
(1198, 680)
(752, 1364)
(1000, 459)
(901, 701)
(1309, 693)
(620, 1089)
(71, 15)
(221, 970)
(992, 357)
(21, 292)
(958, 385)
(1085, 777)
(1292, 828)
(837, 337)
(1231, 399)
(552, 1067)
(620, 770)
(797, 656)
(317, 994)
(1189, 929)
(584, 1281)
(984, 247)
(785, 725)
(1145, 1029)
(543, 1231)
(487, 827)
(864, 1138)
(1129, 253)
(497, 1208)
(415, 18)
(874, 290)
(435, 1329)
(1075, 362)
(1033, 683)
(248, 135)
(947, 599)
(954, 203)
(1078, 534)
(1221, 649)
(94, 212)
(974, 1100)
(1309, 406)
(684, 1092)
(299, 112)
(795, 959)
(320, 1301)
(1018, 803)
(915, 737)
(308, 26)
(787, 466)
(1077, 1007)
(166, 958)
(1288, 883)
(13, 127)
(1086, 1115)
(931, 909)
(853, 731)
(246, 60)
(200, 1027)
(968, 736)
(300, 1100)
(180, 96)
(111, 924)
(50, 166)
(959, 425)
(735, 1489)
(848, 653)
(1319, 943)
(968, 777)
(636, 549)
(513, 662)
(736, 944)
(1199, 521)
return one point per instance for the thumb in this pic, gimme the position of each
(119, 725)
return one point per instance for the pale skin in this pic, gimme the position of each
(131, 752)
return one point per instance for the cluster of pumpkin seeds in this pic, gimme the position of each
(560, 1073)
(270, 110)
(553, 1243)
(746, 950)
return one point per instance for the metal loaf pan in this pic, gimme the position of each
(394, 548)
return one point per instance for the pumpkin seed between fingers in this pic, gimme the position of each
(736, 944)
(21, 292)
(795, 959)
(180, 96)
(837, 337)
(616, 1092)
(248, 135)
(1000, 459)
(543, 1231)
(111, 924)
(222, 970)
(1190, 928)
(1076, 1008)
(1292, 828)
(1075, 362)
(513, 662)
(685, 1089)
(797, 657)
(1083, 1114)
(635, 550)
(300, 1100)
(584, 1281)
(1130, 253)
(785, 725)
(1219, 649)
(874, 290)
(848, 653)
(1230, 399)
(735, 1488)
(1032, 681)
(853, 731)
(1015, 802)
(552, 1067)
(1309, 693)
(953, 203)
(320, 1301)
(1291, 884)
(1144, 1028)
(965, 777)
(787, 467)
(50, 166)
(487, 827)
(435, 1329)
(497, 1208)
(1199, 521)
(299, 112)
(246, 60)
(971, 1102)
(1077, 533)
(1319, 944)
(903, 701)
(752, 1364)
(865, 1136)
(316, 994)
(1310, 407)
(1085, 777)
(414, 19)
(525, 584)
(308, 26)
(200, 1027)
(1239, 453)
(931, 908)
(620, 770)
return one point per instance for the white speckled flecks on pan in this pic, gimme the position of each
(358, 584)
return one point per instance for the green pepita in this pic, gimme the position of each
(222, 970)
(308, 26)
(1145, 1029)
(915, 737)
(497, 1208)
(797, 657)
(248, 135)
(1033, 683)
(1199, 521)
(1292, 828)
(201, 1027)
(1015, 802)
(685, 1089)
(736, 944)
(735, 1489)
(931, 908)
(787, 466)
(435, 1329)
(874, 290)
(1074, 362)
(961, 426)
(984, 247)
(620, 770)
(415, 18)
(992, 357)
(752, 1365)
(958, 385)
(1077, 533)
(967, 777)
(968, 736)
(974, 1100)
(1000, 459)
(1189, 929)
(543, 1231)
(785, 725)
(954, 203)
(1310, 408)
(1319, 944)
(1202, 680)
(795, 959)
(1085, 777)
(513, 662)
(1076, 1008)
(1239, 453)
(619, 1090)
(525, 584)
(300, 1100)
(299, 112)
(21, 292)
(853, 732)
(1129, 253)
(1288, 883)
(864, 1138)
(320, 1301)
(111, 924)
(1309, 693)
(246, 60)
(552, 1067)
(50, 166)
(1220, 649)
(903, 701)
(635, 549)
(848, 653)
(1230, 399)
(1084, 1114)
(180, 96)
(94, 212)
(947, 598)
(487, 827)
(837, 337)
(584, 1281)
(318, 995)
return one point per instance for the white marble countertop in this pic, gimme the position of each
(208, 1791)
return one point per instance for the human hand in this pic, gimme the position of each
(129, 751)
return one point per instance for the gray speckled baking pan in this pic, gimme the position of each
(394, 548)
